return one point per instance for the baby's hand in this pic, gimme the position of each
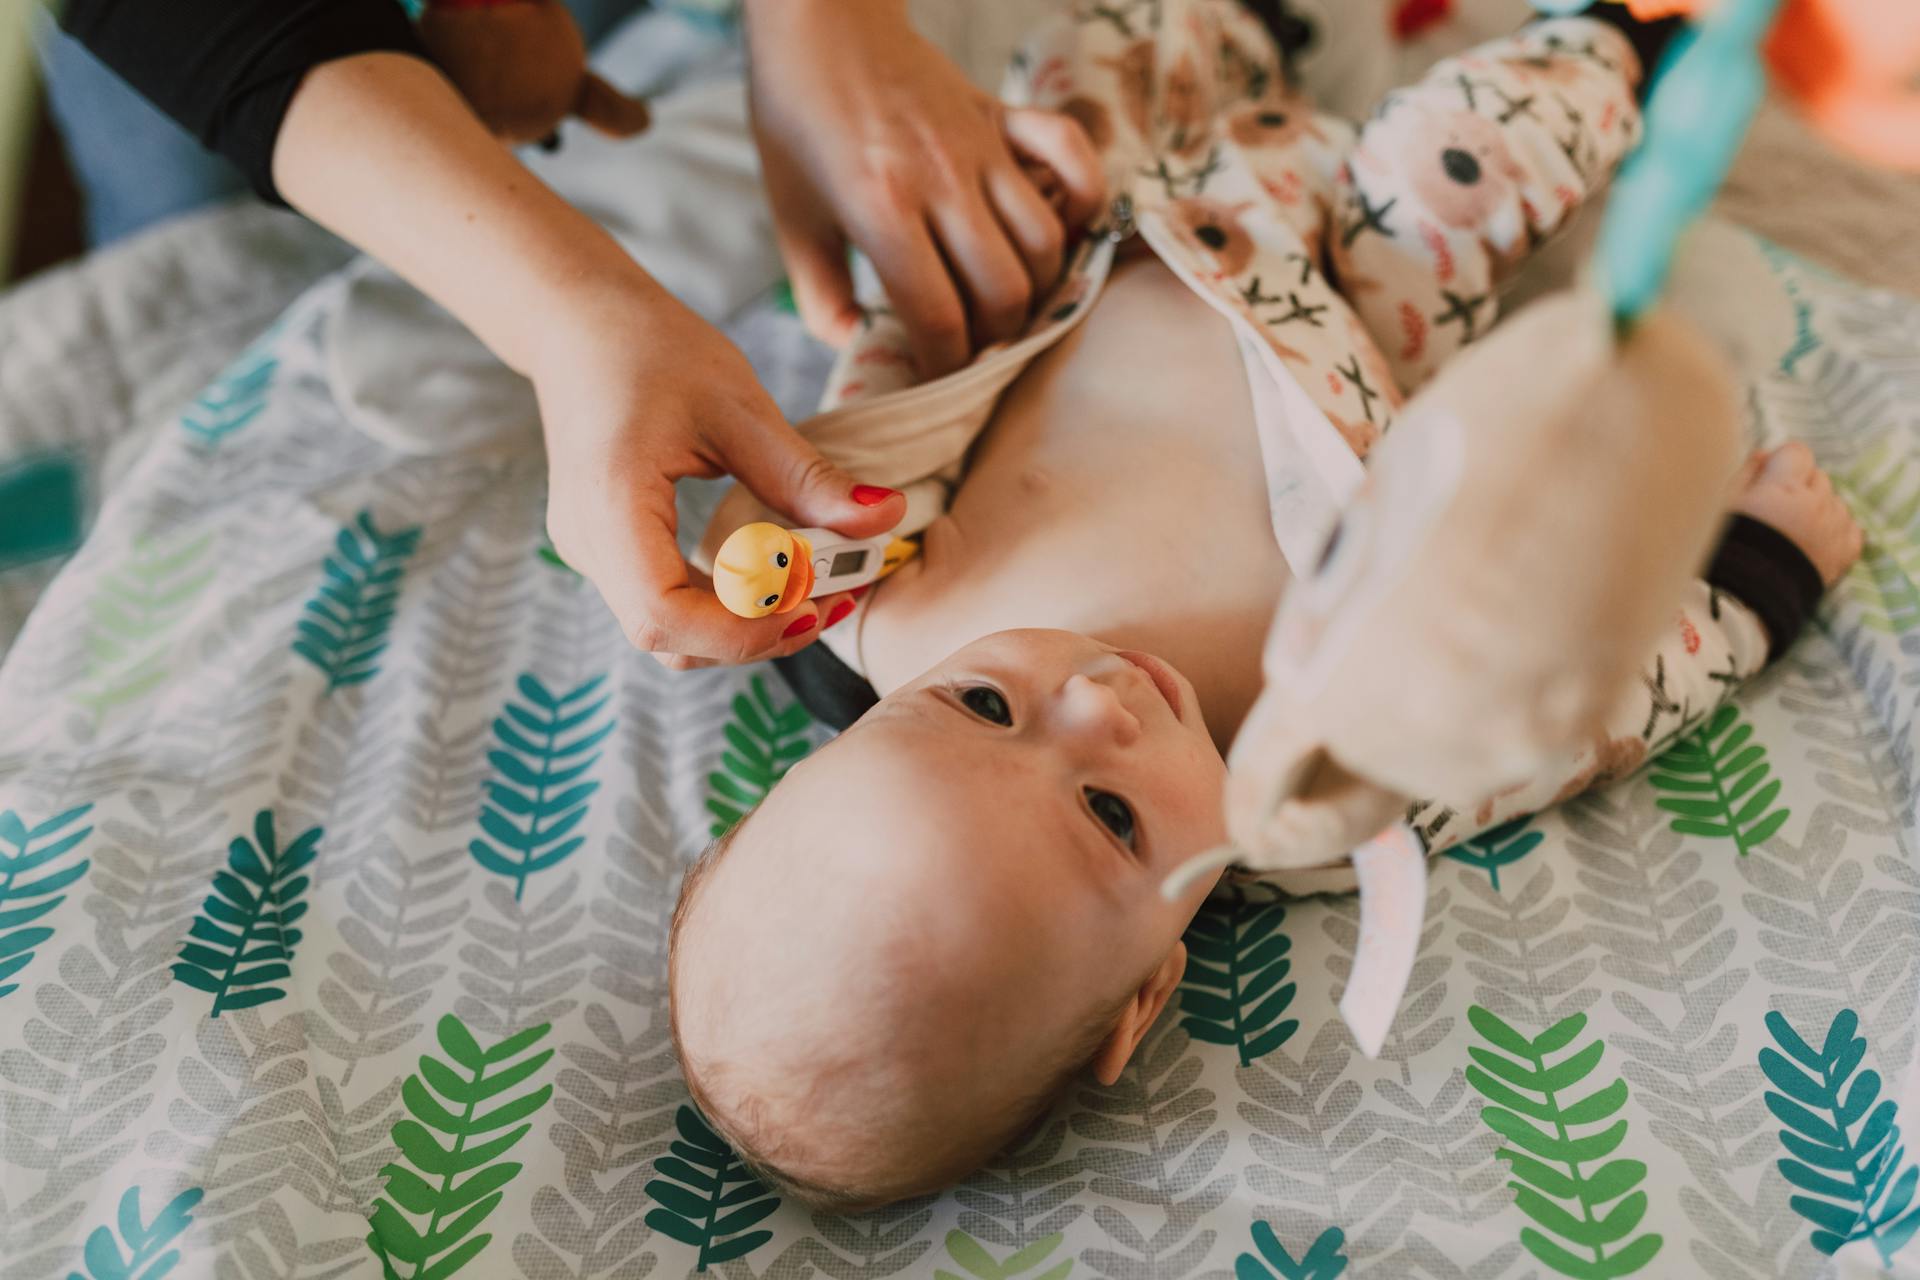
(1786, 489)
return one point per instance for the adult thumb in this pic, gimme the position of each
(790, 476)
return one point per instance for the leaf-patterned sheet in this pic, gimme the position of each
(339, 833)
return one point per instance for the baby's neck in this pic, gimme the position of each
(1118, 493)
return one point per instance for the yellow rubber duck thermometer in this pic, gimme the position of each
(763, 568)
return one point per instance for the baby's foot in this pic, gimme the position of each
(1785, 489)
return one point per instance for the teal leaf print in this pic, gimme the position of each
(704, 1196)
(1323, 1261)
(1558, 1175)
(541, 789)
(132, 615)
(139, 1251)
(236, 397)
(1844, 1152)
(763, 742)
(1497, 847)
(1236, 987)
(30, 886)
(241, 944)
(552, 557)
(343, 629)
(456, 1179)
(1715, 780)
(973, 1258)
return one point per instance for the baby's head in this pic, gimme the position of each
(897, 963)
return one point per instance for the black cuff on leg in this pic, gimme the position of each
(1649, 39)
(1760, 567)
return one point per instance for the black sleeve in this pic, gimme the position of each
(226, 69)
(1760, 567)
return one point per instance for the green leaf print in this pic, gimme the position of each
(1844, 1152)
(540, 790)
(706, 1198)
(1323, 1261)
(241, 944)
(1715, 782)
(456, 1179)
(1561, 1176)
(236, 397)
(1883, 491)
(1497, 847)
(763, 742)
(343, 629)
(30, 887)
(973, 1258)
(1236, 987)
(552, 557)
(132, 615)
(139, 1251)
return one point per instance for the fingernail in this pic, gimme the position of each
(857, 592)
(799, 625)
(871, 495)
(840, 611)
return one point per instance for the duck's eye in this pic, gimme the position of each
(769, 602)
(987, 703)
(779, 559)
(1114, 814)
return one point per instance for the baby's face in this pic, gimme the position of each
(937, 900)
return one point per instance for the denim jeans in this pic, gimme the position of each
(134, 165)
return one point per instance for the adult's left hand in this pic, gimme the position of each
(868, 133)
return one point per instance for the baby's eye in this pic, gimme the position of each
(987, 703)
(1113, 814)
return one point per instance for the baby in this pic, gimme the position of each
(897, 962)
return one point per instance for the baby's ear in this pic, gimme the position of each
(1138, 1016)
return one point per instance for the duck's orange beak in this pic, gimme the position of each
(799, 576)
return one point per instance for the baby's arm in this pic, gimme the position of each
(1456, 179)
(1791, 538)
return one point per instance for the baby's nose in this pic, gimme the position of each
(1094, 710)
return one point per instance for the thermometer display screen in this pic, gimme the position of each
(847, 562)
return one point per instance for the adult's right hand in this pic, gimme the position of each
(636, 393)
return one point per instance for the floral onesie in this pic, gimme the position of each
(1350, 262)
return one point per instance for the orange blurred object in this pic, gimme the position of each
(1853, 68)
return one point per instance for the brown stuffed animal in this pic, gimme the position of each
(522, 67)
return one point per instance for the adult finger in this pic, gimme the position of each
(779, 467)
(816, 256)
(1031, 222)
(921, 288)
(992, 272)
(1061, 145)
(662, 605)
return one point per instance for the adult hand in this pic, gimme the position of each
(637, 392)
(867, 132)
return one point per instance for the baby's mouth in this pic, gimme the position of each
(1163, 676)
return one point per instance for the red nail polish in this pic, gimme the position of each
(799, 625)
(840, 611)
(857, 592)
(871, 495)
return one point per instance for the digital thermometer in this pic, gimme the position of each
(763, 568)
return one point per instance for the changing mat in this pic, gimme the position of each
(339, 833)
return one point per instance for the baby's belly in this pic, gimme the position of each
(1119, 493)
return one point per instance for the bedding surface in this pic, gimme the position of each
(340, 829)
